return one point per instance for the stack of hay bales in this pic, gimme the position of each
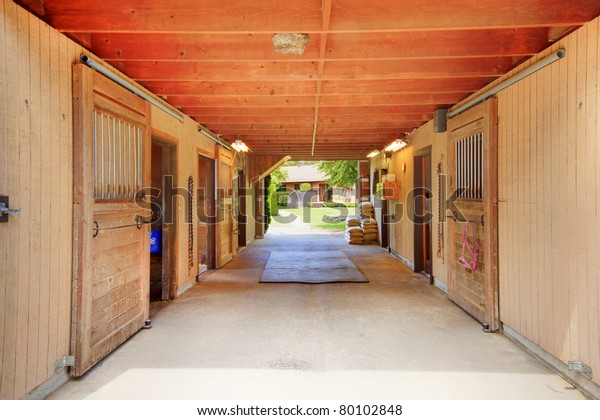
(369, 228)
(354, 233)
(366, 210)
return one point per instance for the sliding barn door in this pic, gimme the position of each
(224, 206)
(473, 227)
(111, 241)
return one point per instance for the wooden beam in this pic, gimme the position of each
(326, 17)
(243, 16)
(323, 137)
(304, 16)
(241, 101)
(286, 132)
(436, 44)
(195, 47)
(216, 128)
(272, 168)
(306, 71)
(426, 111)
(342, 46)
(307, 120)
(190, 105)
(240, 88)
(203, 88)
(34, 6)
(418, 69)
(559, 32)
(384, 15)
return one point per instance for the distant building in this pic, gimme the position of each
(310, 174)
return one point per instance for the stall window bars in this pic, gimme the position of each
(117, 157)
(470, 166)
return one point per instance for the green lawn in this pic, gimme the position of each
(314, 217)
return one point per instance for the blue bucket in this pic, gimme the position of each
(155, 241)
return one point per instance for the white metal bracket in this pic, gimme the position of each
(582, 368)
(64, 362)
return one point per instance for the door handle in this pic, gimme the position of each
(5, 211)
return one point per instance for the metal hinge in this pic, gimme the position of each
(582, 368)
(64, 362)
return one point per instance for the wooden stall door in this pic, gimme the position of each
(111, 246)
(472, 151)
(224, 206)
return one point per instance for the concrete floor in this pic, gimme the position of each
(397, 337)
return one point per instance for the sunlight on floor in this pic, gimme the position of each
(257, 384)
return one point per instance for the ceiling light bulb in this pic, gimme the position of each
(395, 145)
(240, 146)
(373, 153)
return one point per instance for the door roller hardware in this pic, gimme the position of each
(578, 366)
(5, 211)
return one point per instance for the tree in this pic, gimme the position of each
(301, 162)
(276, 179)
(342, 173)
(278, 176)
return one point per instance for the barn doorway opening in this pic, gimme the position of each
(423, 213)
(207, 214)
(312, 194)
(162, 233)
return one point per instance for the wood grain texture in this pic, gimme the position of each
(35, 276)
(476, 291)
(213, 54)
(548, 194)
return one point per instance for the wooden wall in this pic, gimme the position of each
(36, 167)
(549, 196)
(402, 232)
(36, 172)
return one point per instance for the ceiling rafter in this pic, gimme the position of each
(326, 17)
(370, 70)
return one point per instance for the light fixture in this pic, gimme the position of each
(373, 153)
(240, 146)
(395, 145)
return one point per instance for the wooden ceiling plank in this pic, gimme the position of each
(371, 119)
(354, 46)
(240, 88)
(329, 87)
(290, 126)
(421, 110)
(307, 71)
(457, 14)
(191, 107)
(195, 47)
(304, 16)
(326, 16)
(241, 16)
(298, 132)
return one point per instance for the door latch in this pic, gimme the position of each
(5, 211)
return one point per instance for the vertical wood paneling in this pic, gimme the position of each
(542, 208)
(12, 178)
(24, 159)
(35, 202)
(592, 267)
(54, 156)
(36, 172)
(3, 176)
(549, 188)
(69, 54)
